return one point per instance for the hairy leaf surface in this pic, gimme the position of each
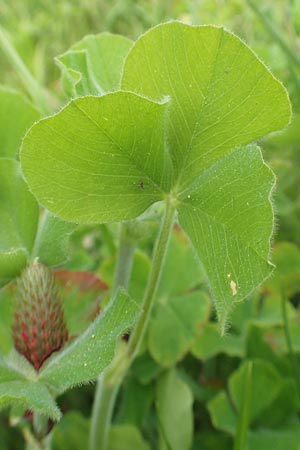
(222, 96)
(103, 158)
(230, 221)
(19, 386)
(205, 97)
(85, 358)
(32, 395)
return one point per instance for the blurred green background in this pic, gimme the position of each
(43, 29)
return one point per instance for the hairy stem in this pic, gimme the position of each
(110, 381)
(105, 392)
(33, 88)
(158, 258)
(103, 409)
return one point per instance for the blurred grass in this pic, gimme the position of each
(41, 29)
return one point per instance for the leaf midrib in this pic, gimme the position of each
(206, 90)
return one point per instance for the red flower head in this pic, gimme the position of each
(39, 326)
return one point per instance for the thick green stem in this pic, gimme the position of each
(110, 381)
(104, 403)
(105, 392)
(33, 88)
(158, 258)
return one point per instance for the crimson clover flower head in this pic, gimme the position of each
(39, 326)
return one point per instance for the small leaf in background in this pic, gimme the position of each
(285, 408)
(273, 405)
(212, 440)
(18, 220)
(286, 258)
(260, 347)
(85, 358)
(82, 293)
(278, 439)
(266, 385)
(182, 271)
(52, 240)
(209, 343)
(86, 249)
(83, 281)
(126, 437)
(139, 274)
(222, 414)
(175, 325)
(263, 309)
(174, 405)
(135, 403)
(93, 163)
(276, 339)
(71, 433)
(145, 369)
(16, 116)
(94, 64)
